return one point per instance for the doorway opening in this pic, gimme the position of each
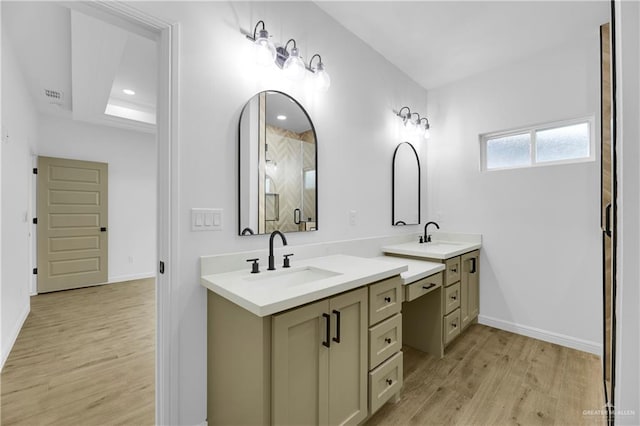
(78, 113)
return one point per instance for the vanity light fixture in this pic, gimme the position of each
(289, 61)
(424, 128)
(265, 49)
(321, 78)
(413, 122)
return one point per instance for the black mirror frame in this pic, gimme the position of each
(393, 186)
(248, 231)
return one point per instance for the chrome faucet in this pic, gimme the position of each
(427, 237)
(272, 262)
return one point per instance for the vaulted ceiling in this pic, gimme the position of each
(438, 42)
(89, 62)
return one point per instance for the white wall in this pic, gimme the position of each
(19, 119)
(627, 400)
(132, 186)
(355, 129)
(541, 266)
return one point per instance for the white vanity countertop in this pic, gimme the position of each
(418, 269)
(444, 245)
(270, 292)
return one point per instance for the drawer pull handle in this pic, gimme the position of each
(454, 297)
(327, 341)
(389, 382)
(473, 266)
(454, 324)
(388, 340)
(387, 299)
(337, 338)
(430, 286)
(454, 270)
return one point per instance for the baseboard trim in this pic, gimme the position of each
(545, 335)
(118, 279)
(131, 277)
(6, 350)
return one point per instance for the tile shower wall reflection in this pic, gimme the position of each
(289, 156)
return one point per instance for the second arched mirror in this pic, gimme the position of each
(406, 185)
(277, 166)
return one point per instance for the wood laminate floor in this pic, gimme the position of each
(493, 377)
(84, 357)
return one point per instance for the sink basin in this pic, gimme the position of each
(290, 277)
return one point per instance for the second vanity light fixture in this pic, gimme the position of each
(413, 122)
(289, 61)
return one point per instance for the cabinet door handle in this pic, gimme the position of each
(454, 324)
(454, 270)
(387, 299)
(389, 382)
(454, 297)
(430, 286)
(473, 265)
(327, 342)
(337, 338)
(607, 220)
(388, 340)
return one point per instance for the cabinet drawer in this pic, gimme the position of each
(422, 287)
(384, 299)
(385, 339)
(451, 326)
(453, 270)
(385, 381)
(451, 298)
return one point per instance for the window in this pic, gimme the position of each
(551, 143)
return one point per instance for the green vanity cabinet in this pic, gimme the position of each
(461, 299)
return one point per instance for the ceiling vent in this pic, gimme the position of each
(54, 96)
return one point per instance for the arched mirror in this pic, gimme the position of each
(277, 165)
(406, 186)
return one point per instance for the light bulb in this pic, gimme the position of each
(294, 66)
(321, 78)
(427, 133)
(415, 127)
(265, 50)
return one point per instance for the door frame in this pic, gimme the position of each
(167, 131)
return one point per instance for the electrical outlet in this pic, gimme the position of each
(352, 217)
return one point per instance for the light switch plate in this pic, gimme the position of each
(206, 219)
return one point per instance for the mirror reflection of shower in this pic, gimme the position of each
(277, 165)
(289, 169)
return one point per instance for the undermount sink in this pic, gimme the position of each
(291, 277)
(270, 292)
